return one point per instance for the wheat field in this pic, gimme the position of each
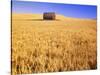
(65, 44)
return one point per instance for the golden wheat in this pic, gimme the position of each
(52, 46)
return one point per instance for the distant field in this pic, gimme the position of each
(65, 44)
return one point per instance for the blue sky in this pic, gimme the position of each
(68, 10)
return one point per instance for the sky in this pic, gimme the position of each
(68, 10)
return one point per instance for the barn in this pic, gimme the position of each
(49, 16)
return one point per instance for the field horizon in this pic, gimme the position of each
(40, 16)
